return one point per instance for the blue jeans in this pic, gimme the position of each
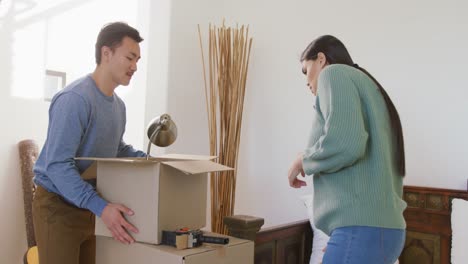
(364, 244)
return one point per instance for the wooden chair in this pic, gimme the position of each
(28, 152)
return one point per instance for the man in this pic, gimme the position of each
(86, 119)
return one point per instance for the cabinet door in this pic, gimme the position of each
(265, 253)
(289, 250)
(421, 248)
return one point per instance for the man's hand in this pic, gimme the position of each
(295, 169)
(117, 225)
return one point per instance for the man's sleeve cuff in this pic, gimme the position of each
(96, 205)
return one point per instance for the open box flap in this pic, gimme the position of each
(90, 172)
(127, 159)
(165, 157)
(169, 157)
(197, 166)
(189, 164)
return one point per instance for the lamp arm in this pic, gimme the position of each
(155, 133)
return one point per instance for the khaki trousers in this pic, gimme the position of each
(64, 233)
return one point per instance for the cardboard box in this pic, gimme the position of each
(165, 193)
(238, 251)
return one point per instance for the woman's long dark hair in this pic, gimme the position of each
(336, 53)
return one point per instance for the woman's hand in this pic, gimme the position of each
(294, 171)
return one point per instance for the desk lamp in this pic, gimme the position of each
(161, 131)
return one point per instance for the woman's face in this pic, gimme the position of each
(312, 69)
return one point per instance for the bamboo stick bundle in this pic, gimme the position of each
(228, 59)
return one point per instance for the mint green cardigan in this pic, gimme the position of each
(351, 154)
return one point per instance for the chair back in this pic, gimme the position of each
(28, 152)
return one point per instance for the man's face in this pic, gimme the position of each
(123, 60)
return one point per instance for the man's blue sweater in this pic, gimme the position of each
(83, 122)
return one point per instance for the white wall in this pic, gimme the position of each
(415, 49)
(175, 80)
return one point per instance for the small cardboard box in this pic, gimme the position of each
(238, 251)
(165, 193)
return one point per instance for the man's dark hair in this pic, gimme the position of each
(112, 34)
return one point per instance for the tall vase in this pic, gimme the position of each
(228, 60)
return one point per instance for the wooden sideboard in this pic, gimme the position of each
(428, 219)
(428, 238)
(291, 243)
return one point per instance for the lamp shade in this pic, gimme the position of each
(161, 131)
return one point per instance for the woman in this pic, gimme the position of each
(356, 157)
